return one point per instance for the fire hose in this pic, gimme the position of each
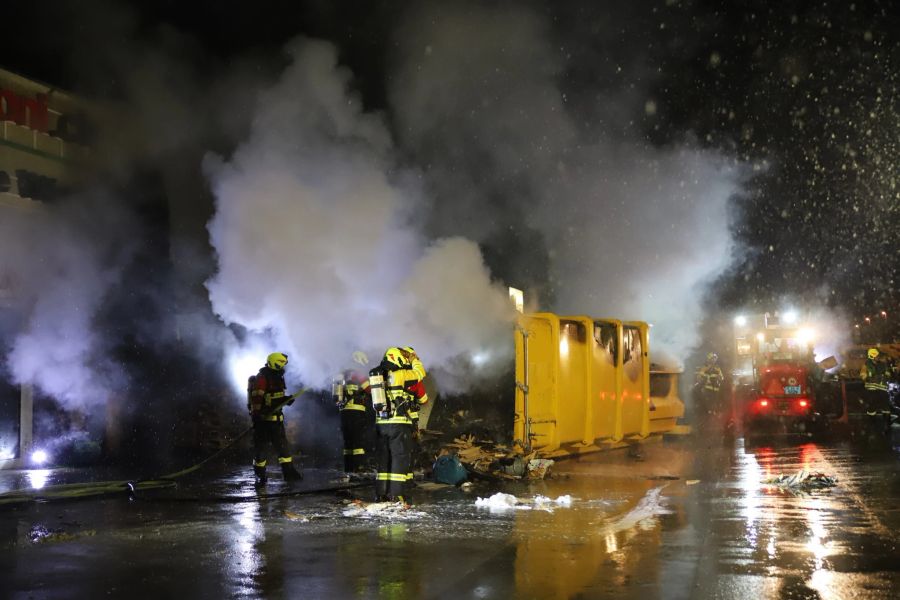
(130, 487)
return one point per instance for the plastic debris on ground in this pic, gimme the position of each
(802, 480)
(389, 510)
(292, 516)
(39, 534)
(538, 468)
(497, 461)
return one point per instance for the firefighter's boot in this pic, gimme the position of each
(290, 473)
(260, 473)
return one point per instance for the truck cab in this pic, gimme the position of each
(773, 368)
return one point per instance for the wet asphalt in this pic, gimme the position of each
(685, 518)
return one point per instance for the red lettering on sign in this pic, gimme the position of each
(30, 112)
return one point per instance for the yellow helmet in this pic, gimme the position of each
(397, 357)
(873, 353)
(277, 361)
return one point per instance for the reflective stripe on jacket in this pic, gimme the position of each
(269, 391)
(710, 377)
(405, 391)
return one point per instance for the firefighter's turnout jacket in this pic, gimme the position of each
(405, 392)
(356, 392)
(356, 420)
(875, 374)
(266, 391)
(710, 378)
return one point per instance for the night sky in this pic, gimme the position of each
(804, 93)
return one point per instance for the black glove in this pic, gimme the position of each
(290, 401)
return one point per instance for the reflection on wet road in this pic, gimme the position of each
(683, 522)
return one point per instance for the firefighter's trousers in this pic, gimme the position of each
(270, 433)
(393, 459)
(710, 401)
(355, 427)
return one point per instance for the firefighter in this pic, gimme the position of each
(876, 373)
(266, 399)
(351, 394)
(397, 392)
(708, 382)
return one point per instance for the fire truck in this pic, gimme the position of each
(772, 367)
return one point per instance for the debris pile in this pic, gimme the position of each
(802, 480)
(486, 459)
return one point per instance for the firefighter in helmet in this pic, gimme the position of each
(708, 382)
(267, 397)
(397, 392)
(351, 395)
(876, 374)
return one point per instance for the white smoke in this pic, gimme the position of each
(62, 261)
(645, 243)
(317, 238)
(633, 231)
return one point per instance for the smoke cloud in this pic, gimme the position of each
(63, 261)
(632, 231)
(318, 236)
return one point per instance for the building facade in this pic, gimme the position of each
(44, 151)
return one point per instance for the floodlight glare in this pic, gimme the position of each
(39, 457)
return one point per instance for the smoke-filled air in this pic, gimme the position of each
(64, 260)
(338, 227)
(319, 241)
(627, 230)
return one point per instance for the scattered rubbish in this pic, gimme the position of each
(39, 534)
(369, 510)
(488, 460)
(539, 468)
(292, 516)
(803, 480)
(448, 469)
(467, 486)
(663, 478)
(692, 482)
(516, 467)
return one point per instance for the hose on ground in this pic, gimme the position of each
(71, 491)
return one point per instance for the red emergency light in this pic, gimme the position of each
(763, 402)
(803, 403)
